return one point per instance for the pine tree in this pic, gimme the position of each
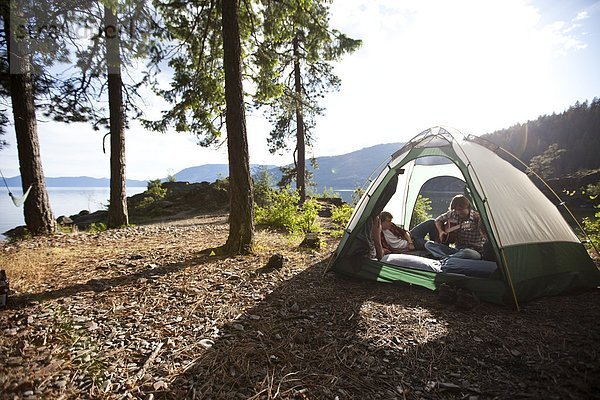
(206, 94)
(295, 71)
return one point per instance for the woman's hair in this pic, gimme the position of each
(385, 216)
(459, 201)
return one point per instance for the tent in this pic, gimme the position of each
(536, 251)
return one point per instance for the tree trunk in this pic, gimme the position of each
(301, 164)
(36, 209)
(241, 225)
(117, 209)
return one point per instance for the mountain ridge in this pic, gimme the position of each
(344, 171)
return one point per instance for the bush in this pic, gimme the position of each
(263, 183)
(156, 190)
(97, 227)
(421, 211)
(592, 228)
(308, 216)
(282, 212)
(340, 217)
(356, 195)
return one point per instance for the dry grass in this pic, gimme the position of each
(141, 313)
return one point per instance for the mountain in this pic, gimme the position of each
(349, 171)
(78, 181)
(211, 172)
(346, 171)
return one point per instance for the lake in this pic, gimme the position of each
(63, 201)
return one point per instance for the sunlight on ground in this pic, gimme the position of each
(386, 324)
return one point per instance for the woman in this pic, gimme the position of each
(398, 240)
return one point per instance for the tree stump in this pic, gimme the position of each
(311, 241)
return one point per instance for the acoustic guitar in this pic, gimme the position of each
(451, 230)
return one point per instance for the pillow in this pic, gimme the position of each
(410, 261)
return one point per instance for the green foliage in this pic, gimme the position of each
(593, 190)
(171, 176)
(154, 193)
(421, 212)
(282, 212)
(263, 183)
(308, 216)
(329, 193)
(340, 217)
(576, 129)
(357, 195)
(97, 227)
(156, 190)
(543, 164)
(592, 228)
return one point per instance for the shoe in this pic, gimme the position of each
(447, 294)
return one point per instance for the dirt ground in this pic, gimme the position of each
(141, 313)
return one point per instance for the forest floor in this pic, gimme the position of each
(140, 312)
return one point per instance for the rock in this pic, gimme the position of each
(275, 261)
(311, 241)
(64, 220)
(17, 232)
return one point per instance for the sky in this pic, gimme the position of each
(474, 65)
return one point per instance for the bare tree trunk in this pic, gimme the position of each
(117, 209)
(36, 209)
(300, 146)
(241, 225)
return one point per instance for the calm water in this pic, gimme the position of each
(63, 200)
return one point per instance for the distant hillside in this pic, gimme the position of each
(210, 172)
(346, 171)
(577, 130)
(349, 171)
(77, 181)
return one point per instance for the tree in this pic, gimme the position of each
(124, 36)
(543, 164)
(295, 71)
(117, 209)
(3, 123)
(241, 218)
(207, 93)
(20, 86)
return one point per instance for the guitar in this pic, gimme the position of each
(451, 230)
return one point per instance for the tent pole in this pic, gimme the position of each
(512, 288)
(492, 221)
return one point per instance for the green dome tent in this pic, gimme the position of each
(537, 252)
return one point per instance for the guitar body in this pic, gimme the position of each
(452, 232)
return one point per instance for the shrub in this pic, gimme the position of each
(356, 195)
(282, 212)
(97, 227)
(421, 211)
(592, 228)
(156, 190)
(340, 217)
(308, 216)
(263, 183)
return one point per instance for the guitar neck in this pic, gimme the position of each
(452, 228)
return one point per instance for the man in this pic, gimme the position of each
(470, 236)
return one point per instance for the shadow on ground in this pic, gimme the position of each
(327, 337)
